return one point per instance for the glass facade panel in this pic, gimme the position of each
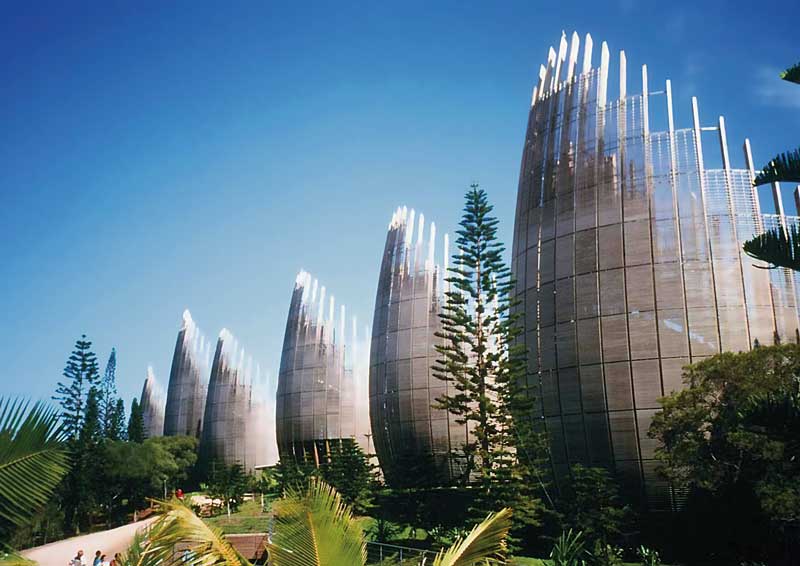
(402, 387)
(648, 264)
(317, 383)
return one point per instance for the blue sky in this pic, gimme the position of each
(162, 155)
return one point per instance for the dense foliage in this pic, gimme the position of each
(136, 430)
(340, 463)
(732, 438)
(349, 471)
(591, 504)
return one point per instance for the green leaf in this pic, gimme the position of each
(792, 74)
(316, 529)
(783, 168)
(33, 460)
(180, 525)
(777, 247)
(485, 544)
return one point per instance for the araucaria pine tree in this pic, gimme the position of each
(136, 432)
(484, 366)
(108, 395)
(117, 425)
(81, 374)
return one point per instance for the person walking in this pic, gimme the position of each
(78, 560)
(97, 559)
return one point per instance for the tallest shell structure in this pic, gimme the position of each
(627, 255)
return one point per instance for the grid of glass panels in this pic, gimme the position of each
(227, 435)
(186, 392)
(407, 430)
(628, 262)
(315, 388)
(152, 403)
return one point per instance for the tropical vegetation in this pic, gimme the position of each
(33, 461)
(731, 440)
(779, 247)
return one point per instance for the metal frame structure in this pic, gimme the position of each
(316, 383)
(407, 430)
(186, 392)
(629, 264)
(231, 431)
(152, 402)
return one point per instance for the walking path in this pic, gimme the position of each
(109, 542)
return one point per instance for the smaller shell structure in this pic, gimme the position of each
(231, 434)
(408, 431)
(319, 376)
(186, 392)
(152, 402)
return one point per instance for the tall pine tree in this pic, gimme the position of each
(136, 432)
(117, 425)
(484, 366)
(81, 374)
(83, 483)
(108, 395)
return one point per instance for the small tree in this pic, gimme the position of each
(228, 483)
(80, 375)
(136, 431)
(591, 504)
(484, 367)
(348, 469)
(293, 475)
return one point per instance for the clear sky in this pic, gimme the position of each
(162, 155)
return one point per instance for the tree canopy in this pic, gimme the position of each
(732, 437)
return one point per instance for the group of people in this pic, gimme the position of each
(99, 560)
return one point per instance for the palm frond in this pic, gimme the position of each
(151, 547)
(792, 74)
(776, 247)
(784, 167)
(180, 525)
(485, 544)
(13, 558)
(136, 553)
(316, 528)
(33, 459)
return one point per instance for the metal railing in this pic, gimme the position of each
(383, 554)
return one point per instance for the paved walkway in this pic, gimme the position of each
(109, 542)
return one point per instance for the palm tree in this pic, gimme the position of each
(778, 247)
(33, 459)
(313, 528)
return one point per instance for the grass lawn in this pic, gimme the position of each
(249, 519)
